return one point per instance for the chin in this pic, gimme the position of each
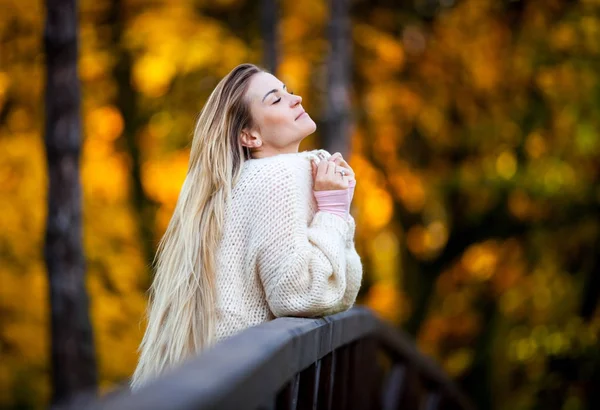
(312, 127)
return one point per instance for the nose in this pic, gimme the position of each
(296, 99)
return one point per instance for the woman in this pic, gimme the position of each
(259, 230)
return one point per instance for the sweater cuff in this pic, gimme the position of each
(330, 221)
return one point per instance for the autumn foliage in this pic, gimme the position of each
(476, 144)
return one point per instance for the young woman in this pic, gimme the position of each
(259, 230)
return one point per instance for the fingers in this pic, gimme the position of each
(335, 157)
(327, 175)
(323, 169)
(330, 169)
(341, 162)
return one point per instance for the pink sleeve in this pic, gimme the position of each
(336, 201)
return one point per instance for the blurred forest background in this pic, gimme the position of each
(475, 138)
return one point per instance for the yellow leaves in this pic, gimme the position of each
(294, 28)
(24, 330)
(486, 75)
(152, 75)
(409, 187)
(104, 176)
(377, 207)
(425, 242)
(458, 361)
(294, 71)
(375, 204)
(438, 232)
(590, 27)
(163, 178)
(160, 125)
(385, 251)
(506, 164)
(563, 37)
(387, 301)
(511, 302)
(4, 84)
(19, 119)
(389, 51)
(431, 121)
(105, 123)
(175, 39)
(301, 49)
(410, 103)
(23, 181)
(384, 53)
(535, 146)
(93, 65)
(480, 260)
(117, 323)
(552, 175)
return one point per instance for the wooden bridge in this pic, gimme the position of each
(350, 360)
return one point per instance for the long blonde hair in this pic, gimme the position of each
(181, 310)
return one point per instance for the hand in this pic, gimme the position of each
(341, 162)
(326, 176)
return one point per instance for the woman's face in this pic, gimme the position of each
(280, 123)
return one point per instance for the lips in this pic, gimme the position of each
(300, 115)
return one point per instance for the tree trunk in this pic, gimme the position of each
(268, 29)
(72, 351)
(336, 137)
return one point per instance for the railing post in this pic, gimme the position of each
(340, 389)
(327, 381)
(287, 398)
(395, 387)
(309, 387)
(432, 401)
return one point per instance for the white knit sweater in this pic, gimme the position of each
(279, 256)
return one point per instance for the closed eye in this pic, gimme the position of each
(279, 99)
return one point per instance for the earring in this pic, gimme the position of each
(259, 143)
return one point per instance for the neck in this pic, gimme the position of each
(272, 151)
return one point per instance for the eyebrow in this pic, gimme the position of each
(272, 91)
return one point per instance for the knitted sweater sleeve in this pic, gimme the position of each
(307, 269)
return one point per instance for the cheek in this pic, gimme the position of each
(276, 118)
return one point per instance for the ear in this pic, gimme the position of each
(250, 139)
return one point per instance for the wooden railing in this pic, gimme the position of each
(350, 360)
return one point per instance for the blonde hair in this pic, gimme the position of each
(181, 310)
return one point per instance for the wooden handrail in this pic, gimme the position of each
(349, 360)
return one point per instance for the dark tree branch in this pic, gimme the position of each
(268, 28)
(72, 347)
(336, 137)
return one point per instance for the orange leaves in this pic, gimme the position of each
(163, 178)
(105, 123)
(4, 84)
(374, 203)
(170, 40)
(383, 54)
(387, 301)
(426, 241)
(409, 187)
(480, 260)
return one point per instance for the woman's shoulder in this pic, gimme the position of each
(291, 166)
